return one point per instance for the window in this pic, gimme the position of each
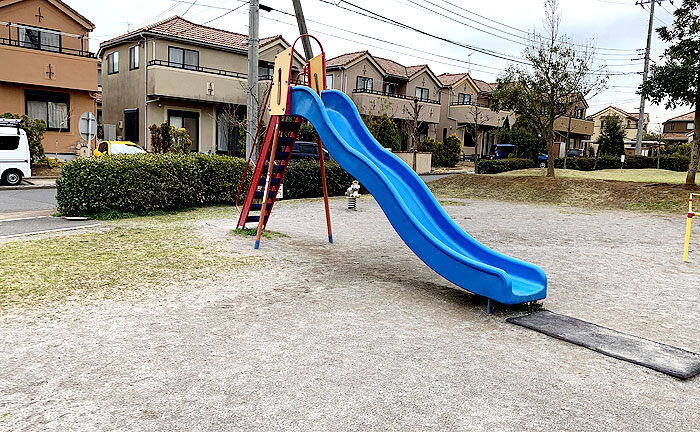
(183, 58)
(9, 142)
(265, 70)
(43, 39)
(52, 108)
(134, 57)
(189, 121)
(578, 113)
(329, 81)
(131, 124)
(690, 126)
(390, 88)
(422, 93)
(113, 63)
(444, 134)
(464, 99)
(364, 83)
(673, 126)
(629, 124)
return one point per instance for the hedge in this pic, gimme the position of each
(674, 163)
(303, 179)
(147, 182)
(502, 165)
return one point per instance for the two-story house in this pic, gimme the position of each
(381, 86)
(183, 74)
(574, 125)
(465, 111)
(678, 130)
(629, 122)
(47, 71)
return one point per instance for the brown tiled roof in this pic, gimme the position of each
(412, 70)
(483, 86)
(181, 28)
(391, 67)
(634, 116)
(676, 136)
(683, 117)
(448, 79)
(345, 59)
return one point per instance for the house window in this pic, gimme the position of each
(183, 58)
(629, 124)
(364, 83)
(578, 113)
(690, 126)
(131, 124)
(52, 108)
(422, 93)
(673, 126)
(189, 121)
(113, 63)
(36, 38)
(464, 99)
(265, 70)
(134, 57)
(390, 88)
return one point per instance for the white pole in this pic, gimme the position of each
(252, 106)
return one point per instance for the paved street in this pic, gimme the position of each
(20, 200)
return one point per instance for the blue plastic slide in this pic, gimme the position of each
(412, 209)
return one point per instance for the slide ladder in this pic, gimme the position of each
(284, 129)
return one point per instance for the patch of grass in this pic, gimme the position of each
(647, 175)
(576, 192)
(143, 252)
(452, 203)
(254, 231)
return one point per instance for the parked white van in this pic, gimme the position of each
(14, 153)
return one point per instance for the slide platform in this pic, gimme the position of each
(411, 208)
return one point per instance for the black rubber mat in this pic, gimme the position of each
(670, 360)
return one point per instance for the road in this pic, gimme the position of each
(22, 200)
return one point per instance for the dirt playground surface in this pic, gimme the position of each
(361, 335)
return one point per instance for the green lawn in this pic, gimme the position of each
(648, 175)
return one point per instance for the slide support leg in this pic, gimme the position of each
(325, 191)
(489, 307)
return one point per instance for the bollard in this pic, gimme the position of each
(691, 214)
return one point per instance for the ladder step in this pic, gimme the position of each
(281, 155)
(285, 140)
(289, 126)
(275, 168)
(259, 194)
(257, 207)
(256, 218)
(273, 182)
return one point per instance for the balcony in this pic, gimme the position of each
(52, 49)
(395, 105)
(63, 68)
(578, 126)
(480, 114)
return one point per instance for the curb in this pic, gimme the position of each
(2, 188)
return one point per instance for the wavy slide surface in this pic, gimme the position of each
(412, 209)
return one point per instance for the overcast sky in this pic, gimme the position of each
(618, 29)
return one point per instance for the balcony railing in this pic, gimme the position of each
(47, 48)
(204, 69)
(469, 104)
(400, 96)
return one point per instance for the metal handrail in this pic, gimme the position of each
(469, 104)
(396, 95)
(197, 68)
(59, 49)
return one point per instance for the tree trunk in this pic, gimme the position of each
(549, 138)
(695, 152)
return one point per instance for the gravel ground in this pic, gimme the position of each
(361, 335)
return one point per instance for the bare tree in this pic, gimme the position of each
(229, 123)
(413, 127)
(476, 119)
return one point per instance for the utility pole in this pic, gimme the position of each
(640, 121)
(301, 22)
(253, 51)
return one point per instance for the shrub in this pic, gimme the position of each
(674, 163)
(585, 164)
(434, 147)
(147, 182)
(385, 132)
(303, 179)
(452, 149)
(639, 162)
(35, 134)
(607, 162)
(571, 163)
(503, 165)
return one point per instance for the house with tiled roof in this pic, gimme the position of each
(383, 86)
(679, 129)
(629, 121)
(184, 74)
(48, 72)
(465, 111)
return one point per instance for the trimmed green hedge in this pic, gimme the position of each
(608, 162)
(303, 179)
(674, 163)
(502, 165)
(147, 182)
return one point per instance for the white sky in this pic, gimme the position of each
(618, 27)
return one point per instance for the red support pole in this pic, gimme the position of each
(268, 177)
(325, 190)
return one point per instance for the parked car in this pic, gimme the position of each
(542, 160)
(105, 148)
(307, 150)
(575, 153)
(15, 159)
(501, 151)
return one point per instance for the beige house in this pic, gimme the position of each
(465, 112)
(679, 129)
(381, 86)
(629, 121)
(47, 71)
(184, 74)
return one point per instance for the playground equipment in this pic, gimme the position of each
(691, 215)
(353, 193)
(407, 202)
